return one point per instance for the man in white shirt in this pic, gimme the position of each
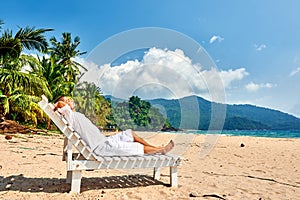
(122, 143)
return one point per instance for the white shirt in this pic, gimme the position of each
(84, 127)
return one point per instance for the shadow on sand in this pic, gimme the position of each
(53, 185)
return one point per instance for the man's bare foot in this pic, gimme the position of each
(168, 147)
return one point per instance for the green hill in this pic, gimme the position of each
(194, 112)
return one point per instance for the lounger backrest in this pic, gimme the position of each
(67, 130)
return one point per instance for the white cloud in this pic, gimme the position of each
(215, 38)
(259, 47)
(161, 73)
(295, 71)
(231, 75)
(93, 73)
(254, 86)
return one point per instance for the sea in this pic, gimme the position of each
(252, 133)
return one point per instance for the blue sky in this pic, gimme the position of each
(255, 44)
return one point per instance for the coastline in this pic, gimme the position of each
(252, 133)
(266, 168)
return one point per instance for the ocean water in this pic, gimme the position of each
(253, 133)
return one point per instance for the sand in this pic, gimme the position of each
(235, 168)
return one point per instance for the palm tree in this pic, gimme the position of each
(85, 93)
(66, 50)
(17, 83)
(28, 83)
(103, 110)
(54, 73)
(26, 38)
(11, 60)
(89, 100)
(24, 107)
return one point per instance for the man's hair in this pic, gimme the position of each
(60, 98)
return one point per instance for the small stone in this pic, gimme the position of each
(8, 186)
(242, 145)
(194, 194)
(8, 137)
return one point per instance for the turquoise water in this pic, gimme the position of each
(254, 133)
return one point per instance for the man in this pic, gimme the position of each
(123, 143)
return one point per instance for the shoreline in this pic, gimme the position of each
(295, 133)
(267, 168)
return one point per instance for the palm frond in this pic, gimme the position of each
(9, 47)
(33, 39)
(1, 23)
(29, 83)
(26, 106)
(32, 62)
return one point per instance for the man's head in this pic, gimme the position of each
(67, 100)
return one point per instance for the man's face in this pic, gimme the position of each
(70, 102)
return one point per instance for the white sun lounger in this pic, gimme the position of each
(87, 160)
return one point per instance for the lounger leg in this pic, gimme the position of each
(156, 173)
(173, 176)
(76, 181)
(69, 177)
(65, 148)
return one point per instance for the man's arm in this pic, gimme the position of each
(65, 110)
(59, 104)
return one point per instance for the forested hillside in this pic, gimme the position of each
(196, 113)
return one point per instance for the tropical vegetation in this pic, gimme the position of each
(19, 85)
(31, 65)
(137, 114)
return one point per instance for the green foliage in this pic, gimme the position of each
(243, 123)
(64, 52)
(25, 108)
(121, 118)
(55, 75)
(157, 120)
(29, 83)
(28, 38)
(88, 100)
(136, 114)
(20, 86)
(4, 104)
(139, 111)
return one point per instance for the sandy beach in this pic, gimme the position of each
(235, 168)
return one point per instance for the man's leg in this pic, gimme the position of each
(150, 149)
(136, 138)
(162, 150)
